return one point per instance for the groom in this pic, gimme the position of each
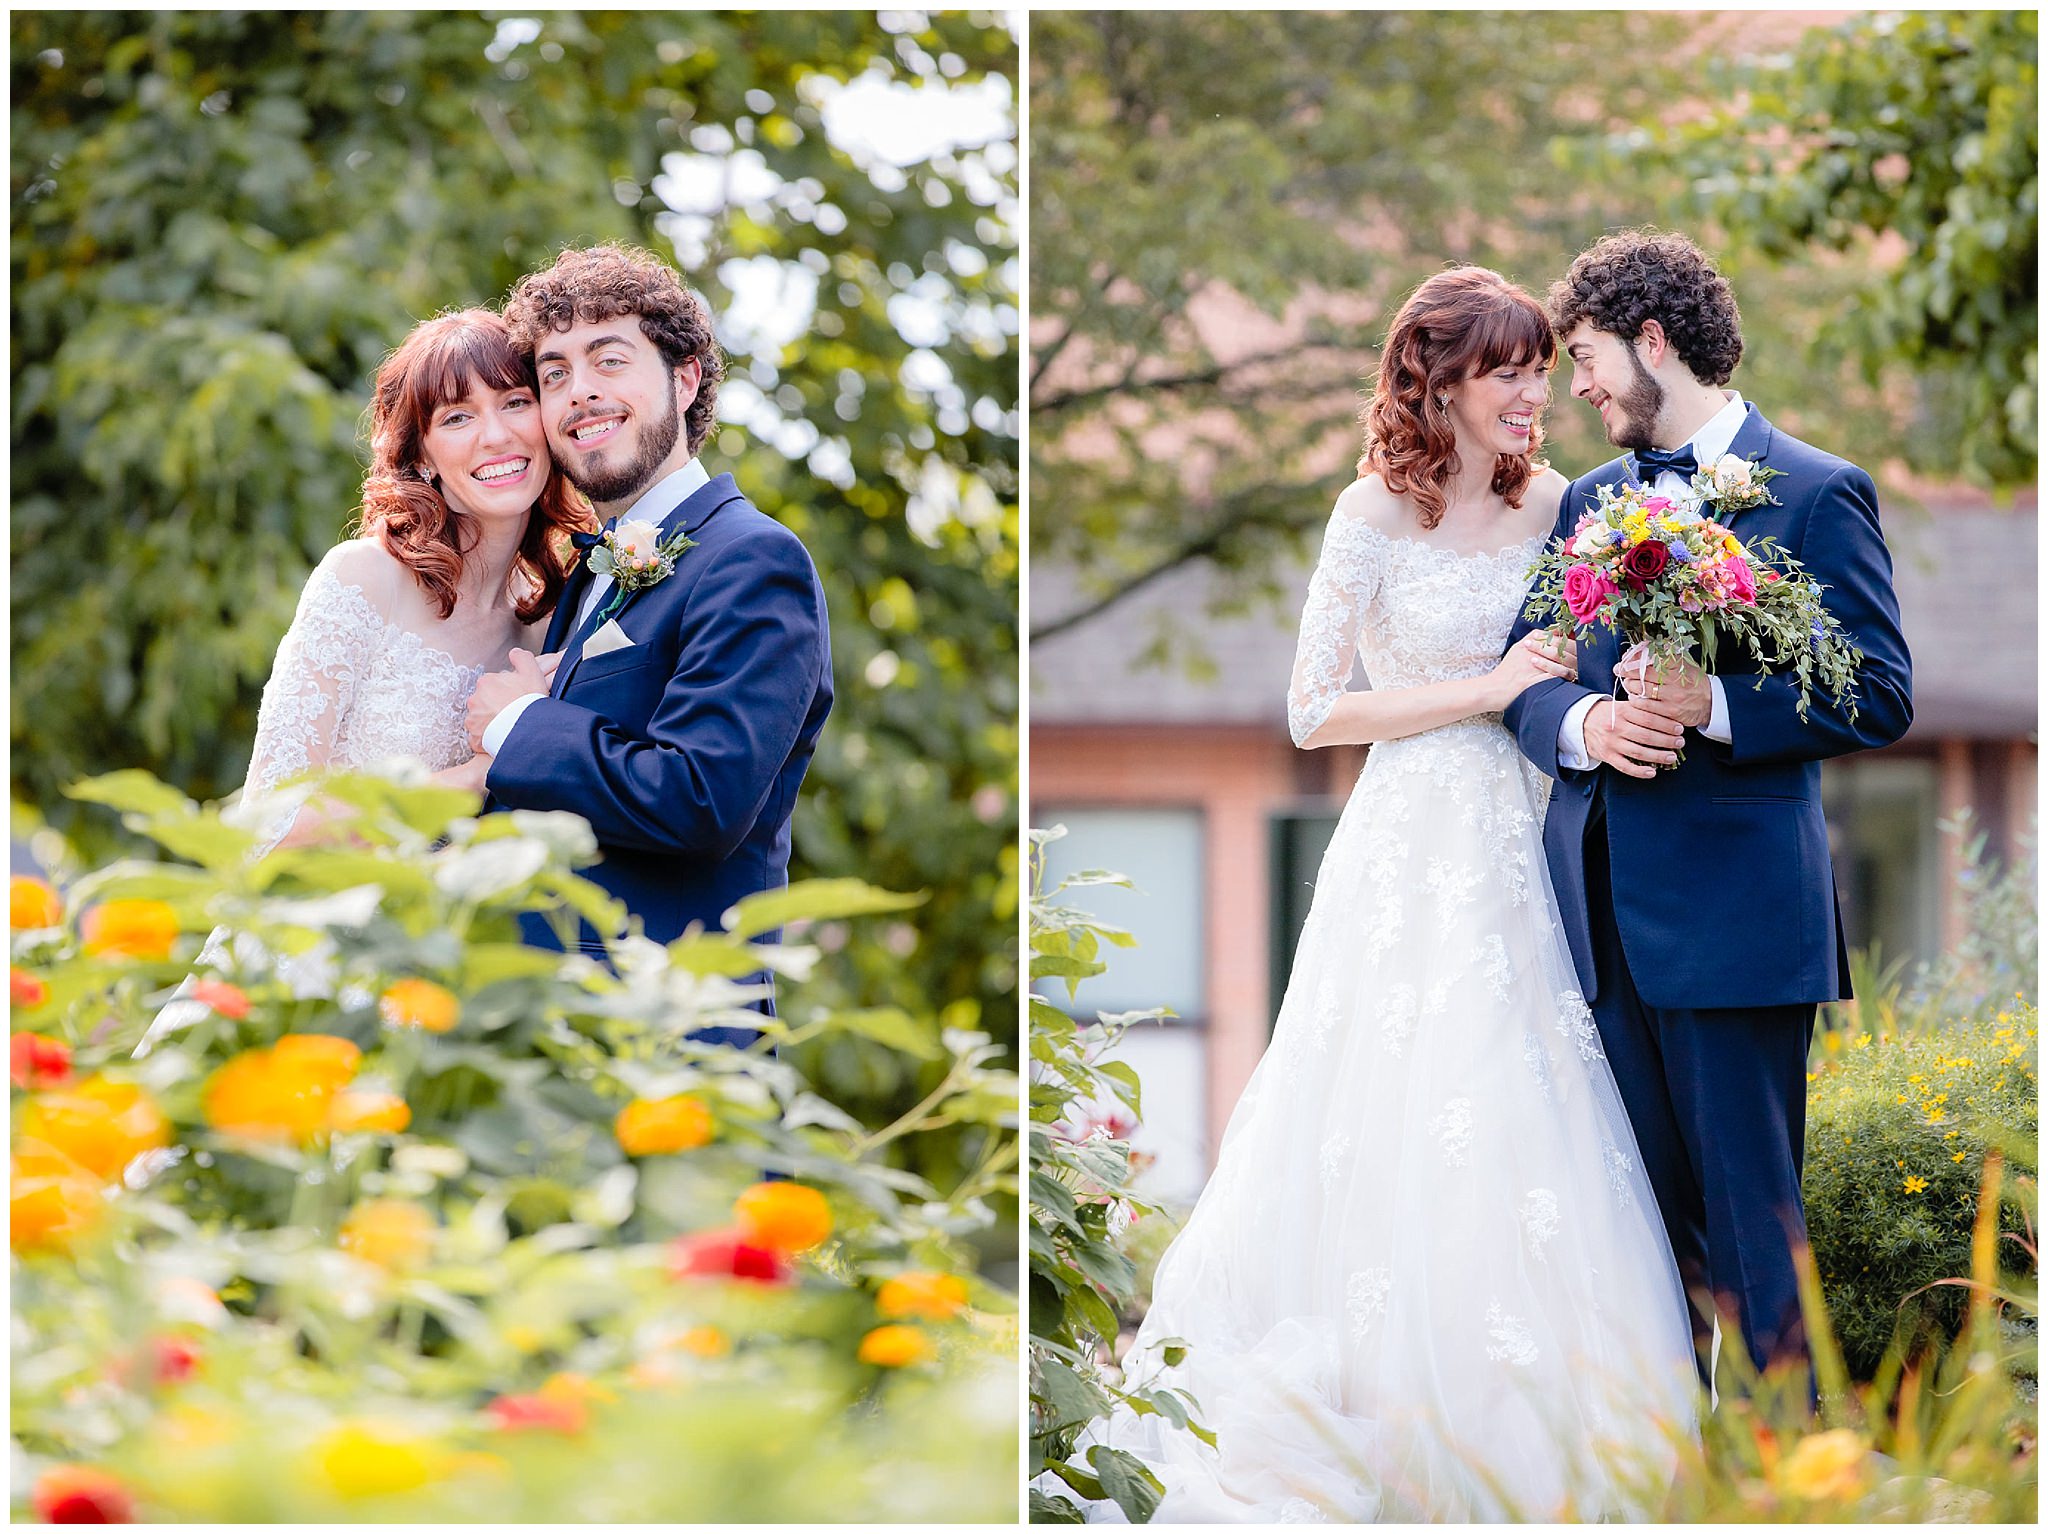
(1698, 898)
(683, 712)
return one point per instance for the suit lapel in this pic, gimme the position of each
(696, 509)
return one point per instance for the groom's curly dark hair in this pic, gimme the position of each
(1640, 275)
(607, 281)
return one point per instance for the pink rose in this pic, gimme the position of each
(1585, 588)
(1738, 580)
(1657, 503)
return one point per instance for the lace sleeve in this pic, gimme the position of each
(1347, 575)
(313, 681)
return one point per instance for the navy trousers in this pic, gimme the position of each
(1717, 1100)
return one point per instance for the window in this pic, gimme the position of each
(1881, 821)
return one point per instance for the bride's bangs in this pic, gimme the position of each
(1512, 332)
(456, 362)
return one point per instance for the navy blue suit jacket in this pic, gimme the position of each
(685, 751)
(1724, 895)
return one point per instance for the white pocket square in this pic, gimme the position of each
(607, 639)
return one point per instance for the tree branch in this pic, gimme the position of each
(1174, 383)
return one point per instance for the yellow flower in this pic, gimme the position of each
(1831, 1466)
(32, 904)
(100, 1124)
(50, 1202)
(389, 1232)
(1958, 1156)
(284, 1093)
(135, 929)
(785, 1217)
(368, 1459)
(926, 1296)
(895, 1347)
(663, 1126)
(1915, 1184)
(705, 1342)
(420, 1004)
(370, 1113)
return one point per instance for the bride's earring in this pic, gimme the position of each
(424, 474)
(1443, 404)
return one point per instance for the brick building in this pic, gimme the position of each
(1195, 790)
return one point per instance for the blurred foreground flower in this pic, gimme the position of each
(896, 1347)
(370, 1113)
(25, 990)
(230, 1001)
(663, 1126)
(82, 1494)
(135, 929)
(726, 1254)
(370, 1459)
(923, 1296)
(785, 1217)
(32, 904)
(389, 1232)
(420, 1004)
(283, 1093)
(100, 1124)
(1828, 1467)
(35, 1062)
(51, 1201)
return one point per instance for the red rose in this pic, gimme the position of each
(1644, 563)
(726, 1254)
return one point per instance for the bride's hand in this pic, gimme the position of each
(468, 775)
(1536, 657)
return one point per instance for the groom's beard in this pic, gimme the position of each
(1639, 407)
(608, 487)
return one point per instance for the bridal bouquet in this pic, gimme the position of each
(1664, 575)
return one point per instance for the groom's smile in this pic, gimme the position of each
(616, 406)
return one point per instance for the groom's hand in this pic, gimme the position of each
(1677, 689)
(1632, 738)
(497, 689)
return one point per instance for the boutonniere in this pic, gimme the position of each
(633, 554)
(1732, 484)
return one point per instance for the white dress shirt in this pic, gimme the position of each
(670, 492)
(1707, 444)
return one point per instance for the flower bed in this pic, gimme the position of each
(406, 1220)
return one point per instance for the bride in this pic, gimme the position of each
(458, 563)
(460, 560)
(1427, 1280)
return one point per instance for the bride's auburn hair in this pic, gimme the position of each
(441, 361)
(1455, 326)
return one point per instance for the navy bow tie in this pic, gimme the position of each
(585, 542)
(1650, 462)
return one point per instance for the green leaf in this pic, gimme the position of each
(813, 900)
(134, 791)
(1130, 1485)
(890, 1026)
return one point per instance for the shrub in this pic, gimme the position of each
(1083, 1110)
(1898, 1130)
(360, 1238)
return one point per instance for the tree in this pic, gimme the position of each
(1227, 207)
(1910, 142)
(224, 220)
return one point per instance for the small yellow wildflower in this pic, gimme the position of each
(1915, 1184)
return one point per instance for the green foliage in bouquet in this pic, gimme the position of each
(390, 1217)
(1662, 575)
(1083, 1109)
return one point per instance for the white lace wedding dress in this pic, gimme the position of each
(1427, 1281)
(355, 684)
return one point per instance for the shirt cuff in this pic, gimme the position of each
(1716, 728)
(1571, 736)
(500, 727)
